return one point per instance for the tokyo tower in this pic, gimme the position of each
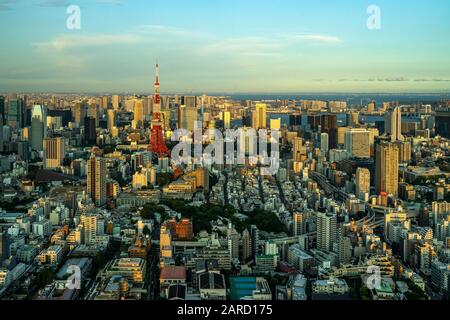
(157, 144)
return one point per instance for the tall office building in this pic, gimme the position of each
(324, 143)
(104, 102)
(38, 127)
(362, 182)
(16, 118)
(442, 121)
(96, 180)
(394, 124)
(357, 143)
(326, 231)
(2, 111)
(115, 102)
(299, 224)
(89, 222)
(254, 232)
(189, 101)
(328, 124)
(386, 175)
(404, 151)
(54, 152)
(233, 243)
(259, 116)
(226, 117)
(93, 112)
(246, 246)
(111, 116)
(187, 117)
(79, 113)
(298, 149)
(90, 131)
(138, 115)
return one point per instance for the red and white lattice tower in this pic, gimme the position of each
(157, 144)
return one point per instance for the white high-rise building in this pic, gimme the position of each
(38, 127)
(394, 124)
(299, 225)
(324, 143)
(326, 231)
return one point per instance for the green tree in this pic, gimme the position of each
(146, 231)
(45, 277)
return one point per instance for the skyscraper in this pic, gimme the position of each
(246, 246)
(54, 152)
(328, 124)
(96, 180)
(386, 175)
(298, 149)
(254, 232)
(89, 222)
(226, 116)
(404, 151)
(394, 124)
(259, 116)
(299, 225)
(324, 143)
(79, 113)
(326, 231)
(111, 115)
(138, 113)
(357, 143)
(104, 102)
(187, 117)
(90, 131)
(443, 122)
(2, 111)
(38, 127)
(92, 112)
(189, 101)
(362, 183)
(15, 118)
(115, 102)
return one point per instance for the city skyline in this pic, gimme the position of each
(225, 47)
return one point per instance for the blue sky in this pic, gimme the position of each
(225, 46)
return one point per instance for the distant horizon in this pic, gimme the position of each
(181, 93)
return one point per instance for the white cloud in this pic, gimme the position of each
(247, 46)
(268, 45)
(165, 30)
(313, 38)
(319, 38)
(62, 43)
